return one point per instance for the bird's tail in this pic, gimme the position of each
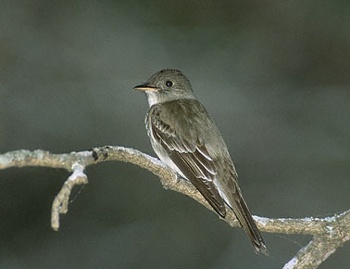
(242, 213)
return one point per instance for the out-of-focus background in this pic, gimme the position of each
(273, 74)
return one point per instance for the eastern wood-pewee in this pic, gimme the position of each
(184, 137)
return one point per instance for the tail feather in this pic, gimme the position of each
(242, 213)
(246, 220)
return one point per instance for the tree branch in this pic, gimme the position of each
(328, 233)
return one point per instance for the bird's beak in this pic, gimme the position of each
(146, 88)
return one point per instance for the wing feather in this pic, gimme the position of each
(190, 156)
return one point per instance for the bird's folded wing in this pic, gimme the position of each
(190, 156)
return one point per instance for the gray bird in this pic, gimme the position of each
(184, 137)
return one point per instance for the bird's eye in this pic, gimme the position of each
(168, 83)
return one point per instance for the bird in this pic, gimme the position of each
(185, 138)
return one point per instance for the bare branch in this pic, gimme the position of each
(60, 203)
(328, 233)
(322, 246)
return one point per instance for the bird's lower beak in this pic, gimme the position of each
(146, 88)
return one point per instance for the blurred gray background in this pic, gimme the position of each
(273, 74)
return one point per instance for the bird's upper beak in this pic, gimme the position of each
(146, 88)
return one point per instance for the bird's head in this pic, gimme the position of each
(166, 85)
